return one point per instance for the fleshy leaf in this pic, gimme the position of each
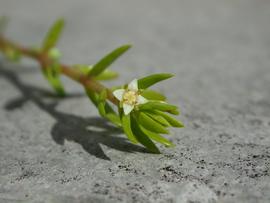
(162, 106)
(173, 122)
(51, 73)
(53, 34)
(143, 138)
(3, 23)
(92, 96)
(127, 128)
(85, 69)
(150, 124)
(156, 137)
(12, 54)
(105, 75)
(117, 87)
(54, 54)
(114, 119)
(101, 103)
(159, 119)
(153, 95)
(105, 110)
(105, 62)
(109, 112)
(150, 80)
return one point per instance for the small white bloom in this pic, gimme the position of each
(130, 97)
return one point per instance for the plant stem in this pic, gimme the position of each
(44, 61)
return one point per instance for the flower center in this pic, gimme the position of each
(130, 97)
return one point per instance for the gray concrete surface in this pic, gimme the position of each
(60, 150)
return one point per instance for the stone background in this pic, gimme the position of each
(55, 150)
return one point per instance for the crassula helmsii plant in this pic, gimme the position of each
(142, 113)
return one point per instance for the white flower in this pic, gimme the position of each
(130, 97)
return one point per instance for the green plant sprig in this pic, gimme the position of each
(142, 113)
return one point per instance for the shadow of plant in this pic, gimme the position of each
(90, 133)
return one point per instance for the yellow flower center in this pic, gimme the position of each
(130, 97)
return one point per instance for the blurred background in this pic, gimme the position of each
(219, 52)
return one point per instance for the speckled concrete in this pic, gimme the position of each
(56, 150)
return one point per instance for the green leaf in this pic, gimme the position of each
(153, 95)
(114, 119)
(159, 119)
(84, 69)
(156, 137)
(52, 74)
(117, 87)
(127, 128)
(105, 62)
(162, 106)
(150, 80)
(53, 34)
(12, 54)
(150, 124)
(92, 96)
(105, 110)
(54, 54)
(101, 103)
(171, 120)
(107, 75)
(101, 109)
(143, 138)
(109, 112)
(3, 23)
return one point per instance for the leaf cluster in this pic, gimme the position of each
(148, 121)
(52, 71)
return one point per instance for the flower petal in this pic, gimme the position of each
(119, 94)
(141, 100)
(127, 108)
(133, 85)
